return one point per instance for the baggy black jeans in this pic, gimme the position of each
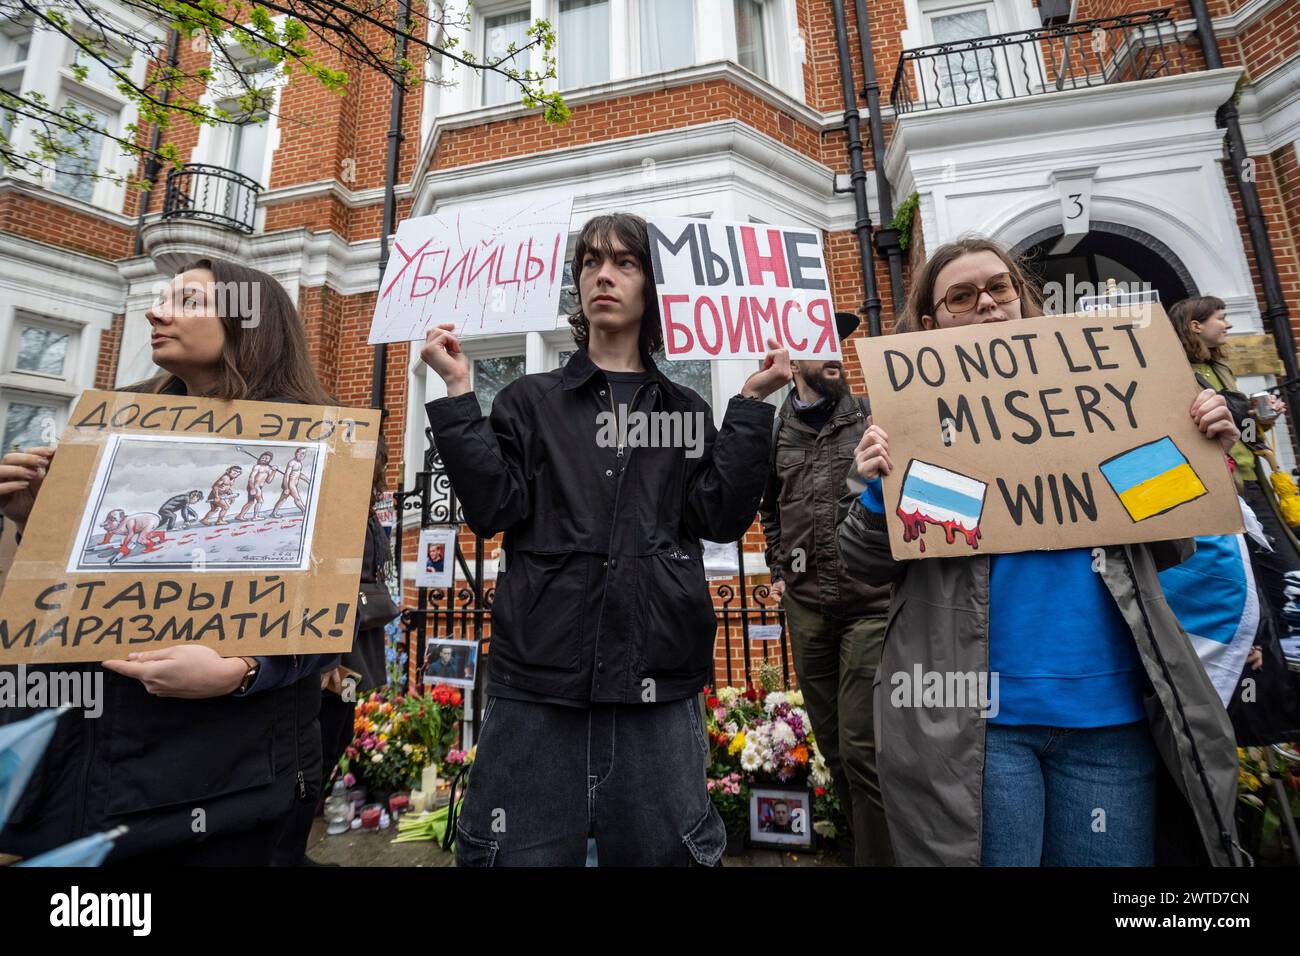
(632, 776)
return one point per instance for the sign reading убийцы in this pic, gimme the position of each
(1044, 433)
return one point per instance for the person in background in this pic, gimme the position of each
(1202, 326)
(836, 621)
(360, 669)
(1270, 712)
(1102, 701)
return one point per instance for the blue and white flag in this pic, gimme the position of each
(1213, 596)
(88, 851)
(21, 746)
(940, 495)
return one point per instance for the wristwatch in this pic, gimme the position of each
(253, 666)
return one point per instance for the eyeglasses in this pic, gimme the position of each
(962, 296)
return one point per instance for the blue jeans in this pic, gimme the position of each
(1062, 797)
(547, 777)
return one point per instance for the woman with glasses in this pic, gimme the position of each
(1101, 711)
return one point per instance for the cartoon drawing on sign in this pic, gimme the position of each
(180, 508)
(258, 478)
(1152, 479)
(221, 496)
(289, 487)
(934, 495)
(121, 531)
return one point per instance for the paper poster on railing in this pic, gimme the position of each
(490, 268)
(436, 563)
(725, 288)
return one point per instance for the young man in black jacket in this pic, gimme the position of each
(603, 628)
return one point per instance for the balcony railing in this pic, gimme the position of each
(211, 194)
(1136, 46)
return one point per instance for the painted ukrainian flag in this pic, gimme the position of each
(1152, 479)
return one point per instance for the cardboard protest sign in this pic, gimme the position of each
(1044, 433)
(8, 547)
(497, 267)
(168, 519)
(725, 288)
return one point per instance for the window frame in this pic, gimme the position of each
(11, 396)
(23, 319)
(1002, 19)
(88, 98)
(617, 49)
(215, 143)
(633, 33)
(478, 33)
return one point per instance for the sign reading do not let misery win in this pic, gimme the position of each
(1044, 433)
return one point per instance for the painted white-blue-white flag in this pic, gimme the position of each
(1214, 598)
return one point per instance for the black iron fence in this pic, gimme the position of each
(464, 612)
(1084, 53)
(211, 194)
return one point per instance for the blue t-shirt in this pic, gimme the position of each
(1063, 653)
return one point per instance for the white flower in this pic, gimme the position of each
(820, 773)
(824, 828)
(749, 759)
(406, 748)
(728, 695)
(796, 698)
(377, 758)
(782, 734)
(772, 700)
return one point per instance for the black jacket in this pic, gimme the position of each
(604, 596)
(806, 498)
(166, 766)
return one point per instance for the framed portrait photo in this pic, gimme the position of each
(450, 661)
(780, 817)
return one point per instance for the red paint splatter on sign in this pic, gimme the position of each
(914, 523)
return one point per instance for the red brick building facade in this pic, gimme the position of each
(725, 108)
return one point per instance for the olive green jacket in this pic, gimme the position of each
(931, 759)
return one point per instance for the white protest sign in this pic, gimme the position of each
(492, 268)
(725, 288)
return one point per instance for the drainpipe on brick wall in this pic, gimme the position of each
(857, 174)
(887, 237)
(1276, 316)
(390, 184)
(153, 167)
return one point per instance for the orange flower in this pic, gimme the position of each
(800, 754)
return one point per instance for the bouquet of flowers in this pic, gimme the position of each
(780, 745)
(382, 755)
(730, 794)
(433, 720)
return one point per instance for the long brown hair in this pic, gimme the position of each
(597, 236)
(921, 299)
(265, 355)
(1198, 308)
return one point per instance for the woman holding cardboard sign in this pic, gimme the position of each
(201, 756)
(1100, 712)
